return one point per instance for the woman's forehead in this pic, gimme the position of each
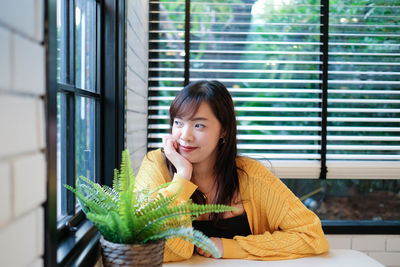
(203, 112)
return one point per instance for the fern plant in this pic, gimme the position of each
(125, 215)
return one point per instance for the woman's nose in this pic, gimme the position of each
(186, 133)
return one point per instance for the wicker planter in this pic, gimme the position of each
(149, 255)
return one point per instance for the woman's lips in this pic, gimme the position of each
(187, 148)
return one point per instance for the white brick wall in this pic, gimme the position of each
(22, 133)
(28, 74)
(5, 193)
(368, 243)
(5, 59)
(383, 248)
(24, 17)
(19, 244)
(393, 244)
(29, 193)
(19, 116)
(386, 258)
(137, 76)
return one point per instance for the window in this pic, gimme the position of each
(78, 100)
(315, 86)
(85, 116)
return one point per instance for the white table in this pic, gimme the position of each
(335, 257)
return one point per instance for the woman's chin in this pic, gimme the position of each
(186, 156)
(190, 159)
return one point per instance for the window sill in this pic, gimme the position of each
(80, 248)
(361, 227)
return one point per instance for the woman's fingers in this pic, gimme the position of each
(218, 243)
(169, 145)
(199, 251)
(182, 165)
(202, 252)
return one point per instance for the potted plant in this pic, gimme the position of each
(134, 224)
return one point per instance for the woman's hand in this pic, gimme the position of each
(218, 243)
(183, 167)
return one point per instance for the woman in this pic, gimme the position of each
(200, 156)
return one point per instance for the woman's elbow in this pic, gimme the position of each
(182, 252)
(171, 257)
(322, 245)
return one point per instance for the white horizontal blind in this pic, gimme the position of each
(268, 55)
(364, 88)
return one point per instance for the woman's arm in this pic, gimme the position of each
(153, 173)
(282, 227)
(299, 234)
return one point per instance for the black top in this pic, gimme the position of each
(226, 228)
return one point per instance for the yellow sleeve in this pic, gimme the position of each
(300, 234)
(283, 228)
(153, 173)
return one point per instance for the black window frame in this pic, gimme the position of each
(75, 240)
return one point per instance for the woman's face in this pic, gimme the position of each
(198, 136)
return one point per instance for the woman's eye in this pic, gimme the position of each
(178, 123)
(199, 126)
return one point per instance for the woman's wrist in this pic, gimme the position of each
(185, 173)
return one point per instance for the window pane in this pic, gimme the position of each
(61, 155)
(85, 129)
(61, 42)
(85, 44)
(349, 199)
(364, 78)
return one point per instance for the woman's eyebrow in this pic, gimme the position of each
(199, 119)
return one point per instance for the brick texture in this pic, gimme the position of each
(18, 242)
(29, 74)
(18, 121)
(5, 59)
(137, 79)
(22, 164)
(368, 243)
(339, 242)
(386, 258)
(393, 244)
(5, 193)
(19, 15)
(30, 182)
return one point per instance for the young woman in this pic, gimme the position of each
(200, 156)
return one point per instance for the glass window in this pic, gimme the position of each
(85, 44)
(85, 136)
(81, 96)
(350, 199)
(62, 50)
(78, 100)
(61, 155)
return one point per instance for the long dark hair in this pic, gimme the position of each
(217, 96)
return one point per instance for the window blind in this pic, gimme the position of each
(269, 55)
(364, 89)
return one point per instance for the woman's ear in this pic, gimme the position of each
(223, 134)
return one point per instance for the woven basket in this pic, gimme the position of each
(146, 255)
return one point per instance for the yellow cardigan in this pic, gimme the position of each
(282, 227)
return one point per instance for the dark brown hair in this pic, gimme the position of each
(217, 96)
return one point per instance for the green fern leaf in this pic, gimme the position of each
(195, 237)
(116, 181)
